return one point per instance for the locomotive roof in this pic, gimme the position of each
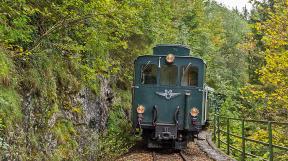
(175, 55)
(178, 50)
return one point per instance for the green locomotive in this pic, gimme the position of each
(169, 96)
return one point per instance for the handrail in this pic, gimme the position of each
(252, 120)
(217, 131)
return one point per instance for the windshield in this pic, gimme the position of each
(189, 76)
(168, 75)
(149, 74)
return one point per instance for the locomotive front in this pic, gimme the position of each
(169, 97)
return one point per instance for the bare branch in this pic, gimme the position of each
(59, 25)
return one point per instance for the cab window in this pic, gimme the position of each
(149, 74)
(168, 75)
(189, 76)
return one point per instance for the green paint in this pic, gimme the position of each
(270, 141)
(228, 136)
(146, 94)
(243, 139)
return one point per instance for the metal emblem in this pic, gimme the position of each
(168, 94)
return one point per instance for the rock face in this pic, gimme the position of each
(70, 131)
(95, 107)
(46, 114)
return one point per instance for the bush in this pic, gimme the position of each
(118, 139)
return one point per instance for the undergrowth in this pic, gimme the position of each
(118, 138)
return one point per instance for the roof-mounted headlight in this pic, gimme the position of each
(140, 109)
(170, 58)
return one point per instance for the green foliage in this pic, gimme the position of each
(5, 66)
(10, 111)
(269, 94)
(3, 145)
(118, 138)
(10, 106)
(226, 60)
(67, 146)
(51, 50)
(265, 97)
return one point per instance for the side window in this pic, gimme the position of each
(168, 75)
(149, 74)
(189, 76)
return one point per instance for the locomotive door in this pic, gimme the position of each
(191, 75)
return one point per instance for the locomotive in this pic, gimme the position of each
(170, 97)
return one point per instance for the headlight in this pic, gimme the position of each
(140, 109)
(194, 112)
(170, 58)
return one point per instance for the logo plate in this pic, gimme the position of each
(168, 94)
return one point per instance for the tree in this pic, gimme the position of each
(271, 93)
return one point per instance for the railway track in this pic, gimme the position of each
(184, 157)
(154, 156)
(144, 154)
(181, 156)
(194, 152)
(161, 156)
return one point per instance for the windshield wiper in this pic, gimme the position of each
(146, 65)
(186, 68)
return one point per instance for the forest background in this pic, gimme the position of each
(50, 51)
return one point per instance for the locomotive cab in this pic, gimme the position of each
(169, 96)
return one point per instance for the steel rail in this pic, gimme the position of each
(183, 156)
(154, 156)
